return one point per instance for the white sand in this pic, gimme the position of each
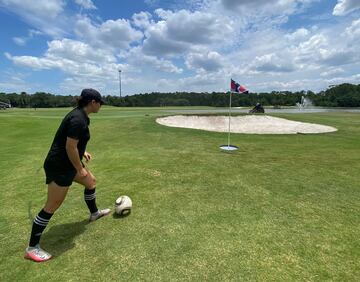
(250, 124)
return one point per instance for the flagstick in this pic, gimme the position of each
(229, 120)
(229, 147)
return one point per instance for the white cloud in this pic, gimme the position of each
(33, 32)
(86, 4)
(111, 34)
(211, 81)
(68, 56)
(142, 20)
(298, 35)
(21, 41)
(291, 85)
(344, 79)
(353, 31)
(95, 66)
(264, 7)
(332, 72)
(211, 61)
(232, 4)
(271, 63)
(195, 28)
(41, 14)
(151, 2)
(344, 7)
(43, 8)
(178, 32)
(323, 49)
(156, 42)
(72, 57)
(15, 86)
(308, 51)
(91, 74)
(36, 63)
(13, 81)
(337, 57)
(143, 62)
(200, 82)
(74, 84)
(78, 51)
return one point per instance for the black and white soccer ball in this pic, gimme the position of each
(123, 205)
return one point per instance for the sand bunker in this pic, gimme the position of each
(249, 124)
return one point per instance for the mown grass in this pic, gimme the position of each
(282, 208)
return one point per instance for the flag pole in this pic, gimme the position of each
(229, 147)
(229, 119)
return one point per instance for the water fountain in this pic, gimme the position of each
(304, 103)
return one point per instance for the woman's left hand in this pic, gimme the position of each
(87, 156)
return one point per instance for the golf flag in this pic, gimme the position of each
(236, 87)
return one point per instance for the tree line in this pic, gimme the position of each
(343, 95)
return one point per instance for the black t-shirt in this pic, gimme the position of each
(74, 125)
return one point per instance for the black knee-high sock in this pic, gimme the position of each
(90, 199)
(39, 224)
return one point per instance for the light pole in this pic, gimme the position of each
(120, 81)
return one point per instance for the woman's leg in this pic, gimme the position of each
(55, 197)
(89, 182)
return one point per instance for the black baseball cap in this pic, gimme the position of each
(90, 94)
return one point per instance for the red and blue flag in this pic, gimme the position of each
(236, 87)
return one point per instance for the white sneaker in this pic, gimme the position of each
(37, 254)
(98, 214)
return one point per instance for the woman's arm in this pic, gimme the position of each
(73, 154)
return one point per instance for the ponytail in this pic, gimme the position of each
(81, 102)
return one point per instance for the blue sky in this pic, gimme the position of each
(63, 46)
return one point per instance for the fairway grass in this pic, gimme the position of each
(282, 208)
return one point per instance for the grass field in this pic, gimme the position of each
(282, 208)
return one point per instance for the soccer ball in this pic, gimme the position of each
(123, 205)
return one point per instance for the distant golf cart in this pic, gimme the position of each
(257, 109)
(4, 106)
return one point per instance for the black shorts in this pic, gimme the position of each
(61, 176)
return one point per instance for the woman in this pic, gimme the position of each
(63, 165)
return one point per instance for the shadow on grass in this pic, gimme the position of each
(118, 216)
(60, 238)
